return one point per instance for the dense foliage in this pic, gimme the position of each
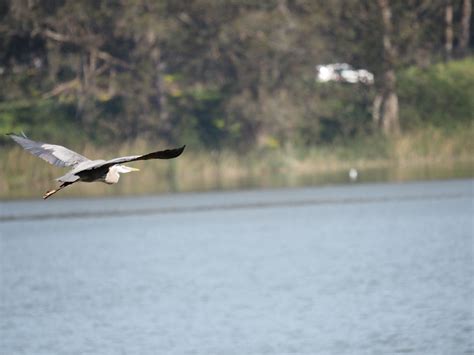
(235, 73)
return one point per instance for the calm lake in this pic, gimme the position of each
(354, 269)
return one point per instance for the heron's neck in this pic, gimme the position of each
(112, 176)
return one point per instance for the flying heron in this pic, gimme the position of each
(84, 169)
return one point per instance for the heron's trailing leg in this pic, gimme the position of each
(52, 192)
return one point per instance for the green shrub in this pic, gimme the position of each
(441, 95)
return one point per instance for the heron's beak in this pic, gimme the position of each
(134, 169)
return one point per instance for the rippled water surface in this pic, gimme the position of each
(360, 269)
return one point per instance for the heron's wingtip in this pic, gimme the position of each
(173, 153)
(179, 150)
(21, 134)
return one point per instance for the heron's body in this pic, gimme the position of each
(85, 172)
(84, 169)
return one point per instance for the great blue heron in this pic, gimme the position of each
(84, 169)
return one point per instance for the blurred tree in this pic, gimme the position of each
(237, 74)
(464, 37)
(386, 103)
(449, 32)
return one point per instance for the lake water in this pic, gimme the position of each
(357, 269)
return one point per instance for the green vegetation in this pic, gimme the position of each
(441, 95)
(235, 81)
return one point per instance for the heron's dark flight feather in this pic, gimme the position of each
(161, 154)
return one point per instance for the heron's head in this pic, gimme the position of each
(122, 169)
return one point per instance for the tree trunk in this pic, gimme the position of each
(449, 34)
(158, 98)
(390, 124)
(465, 27)
(377, 110)
(387, 107)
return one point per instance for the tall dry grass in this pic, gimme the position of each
(397, 158)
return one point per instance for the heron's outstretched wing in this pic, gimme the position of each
(53, 154)
(161, 154)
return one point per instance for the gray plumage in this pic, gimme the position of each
(54, 154)
(84, 169)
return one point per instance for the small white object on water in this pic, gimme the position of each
(353, 173)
